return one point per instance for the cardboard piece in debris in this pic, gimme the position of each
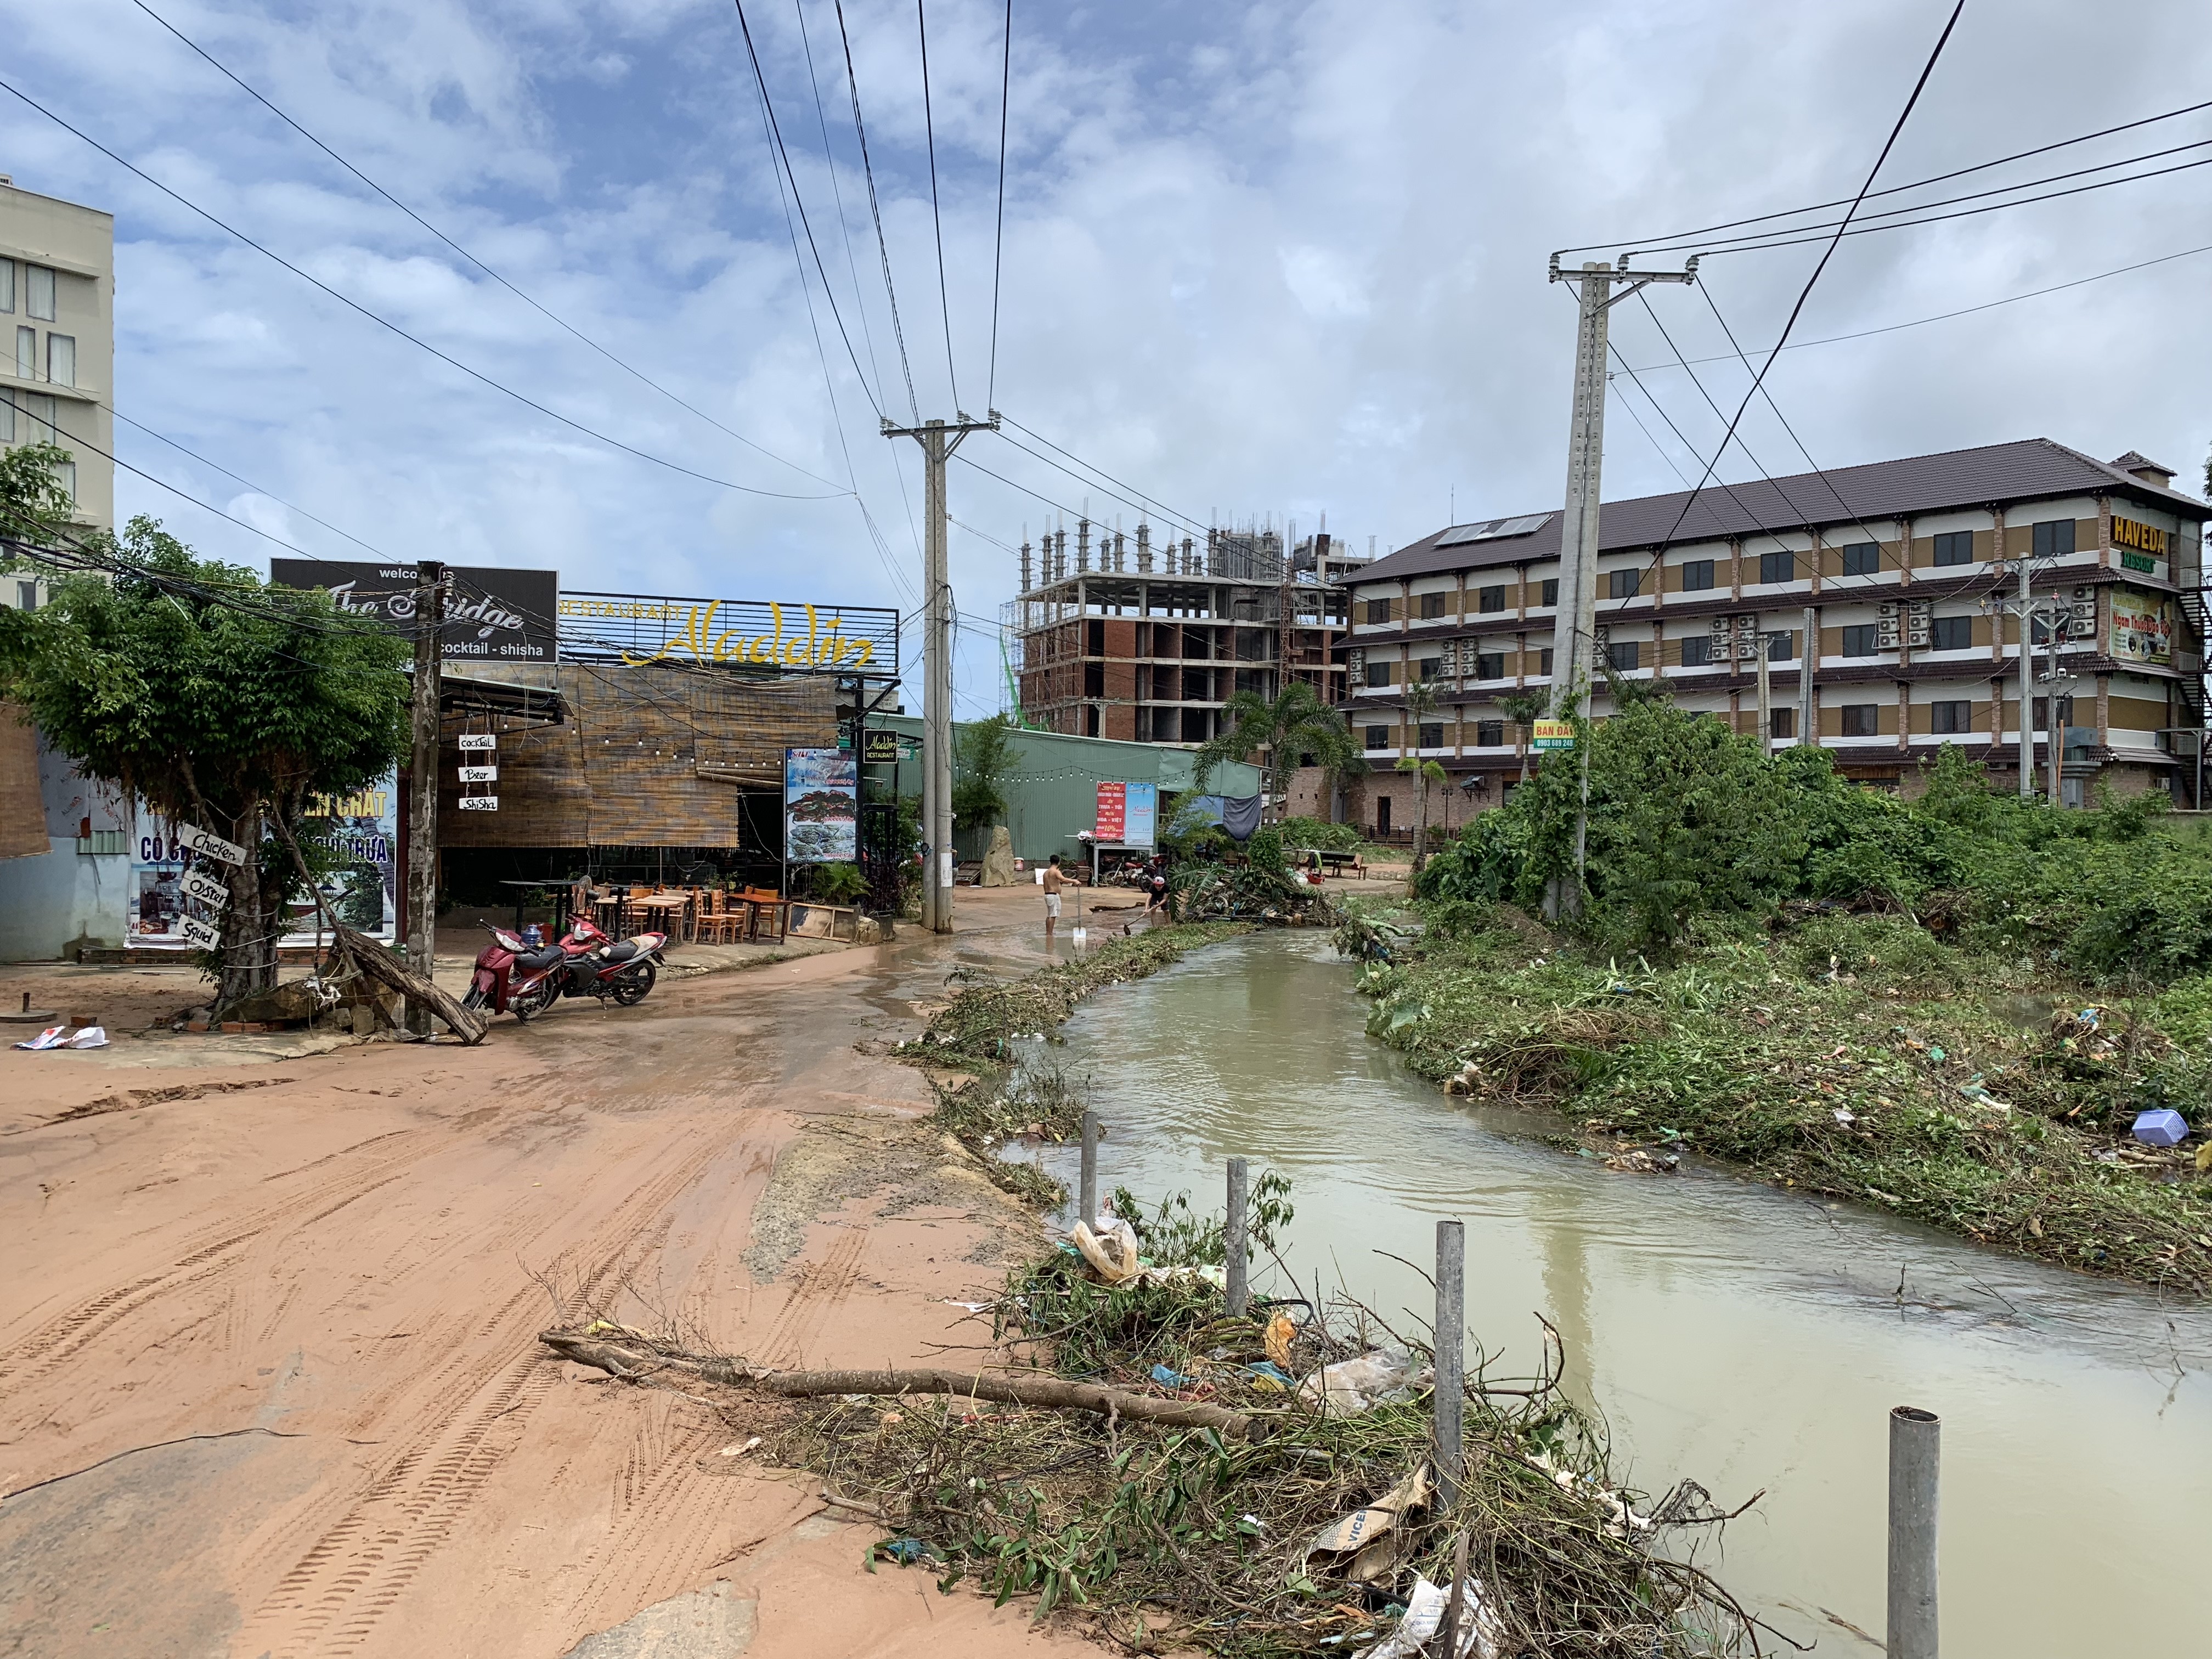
(1362, 1527)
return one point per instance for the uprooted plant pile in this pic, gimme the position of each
(1258, 888)
(1955, 1008)
(1255, 1486)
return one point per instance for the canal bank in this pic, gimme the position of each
(1744, 1337)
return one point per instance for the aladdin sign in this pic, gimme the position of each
(799, 638)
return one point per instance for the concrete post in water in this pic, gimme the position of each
(1088, 1213)
(1913, 1442)
(1233, 1236)
(1451, 1358)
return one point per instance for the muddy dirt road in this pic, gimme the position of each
(268, 1379)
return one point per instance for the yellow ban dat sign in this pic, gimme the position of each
(1553, 734)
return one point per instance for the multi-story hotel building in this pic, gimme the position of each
(1905, 568)
(57, 305)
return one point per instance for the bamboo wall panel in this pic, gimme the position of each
(652, 755)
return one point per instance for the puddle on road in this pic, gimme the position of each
(1730, 1333)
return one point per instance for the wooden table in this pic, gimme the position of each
(665, 902)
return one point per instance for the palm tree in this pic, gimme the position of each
(1524, 709)
(1296, 725)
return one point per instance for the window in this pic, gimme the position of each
(1378, 610)
(1428, 668)
(2054, 538)
(7, 416)
(1951, 633)
(1094, 636)
(1379, 673)
(1781, 646)
(1625, 654)
(1623, 584)
(1490, 598)
(27, 596)
(37, 409)
(65, 476)
(1862, 559)
(2038, 628)
(1697, 575)
(1548, 593)
(61, 359)
(1489, 734)
(1860, 640)
(1697, 651)
(1432, 606)
(1778, 567)
(1431, 736)
(1955, 547)
(1860, 719)
(1490, 665)
(26, 354)
(1950, 718)
(1378, 737)
(1544, 662)
(39, 281)
(2042, 713)
(7, 284)
(1094, 680)
(1781, 722)
(101, 844)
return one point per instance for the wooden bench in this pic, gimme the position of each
(1332, 864)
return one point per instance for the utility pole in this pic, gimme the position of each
(2026, 690)
(1574, 629)
(423, 780)
(937, 439)
(1765, 694)
(1808, 659)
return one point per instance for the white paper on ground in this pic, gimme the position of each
(91, 1036)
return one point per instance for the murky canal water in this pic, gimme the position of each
(1741, 1336)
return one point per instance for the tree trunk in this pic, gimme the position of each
(250, 921)
(1420, 822)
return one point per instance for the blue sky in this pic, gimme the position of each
(1281, 260)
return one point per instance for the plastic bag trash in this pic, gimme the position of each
(907, 1551)
(1425, 1617)
(2160, 1127)
(1167, 1377)
(1281, 1330)
(1362, 1527)
(1351, 1386)
(1113, 1253)
(1269, 1376)
(90, 1037)
(53, 1037)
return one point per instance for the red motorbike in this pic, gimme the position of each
(512, 977)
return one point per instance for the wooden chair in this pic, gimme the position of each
(721, 920)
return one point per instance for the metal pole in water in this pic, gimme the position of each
(1914, 1438)
(1451, 1357)
(1233, 1236)
(1088, 1215)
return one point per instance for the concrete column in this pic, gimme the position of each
(1082, 544)
(1144, 547)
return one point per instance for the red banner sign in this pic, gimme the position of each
(1113, 812)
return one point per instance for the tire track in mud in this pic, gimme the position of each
(818, 1289)
(473, 1413)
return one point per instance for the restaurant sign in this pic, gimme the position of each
(491, 615)
(796, 638)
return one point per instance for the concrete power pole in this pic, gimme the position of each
(937, 439)
(423, 784)
(1574, 629)
(1809, 659)
(2026, 690)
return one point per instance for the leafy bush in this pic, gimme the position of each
(1302, 833)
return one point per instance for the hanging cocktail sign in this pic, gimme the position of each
(198, 934)
(480, 774)
(198, 884)
(194, 839)
(477, 741)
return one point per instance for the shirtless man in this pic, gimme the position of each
(1054, 881)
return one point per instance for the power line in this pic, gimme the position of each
(382, 322)
(550, 316)
(1795, 311)
(1126, 501)
(1946, 316)
(999, 242)
(929, 131)
(1936, 178)
(247, 483)
(775, 137)
(837, 196)
(1155, 504)
(876, 213)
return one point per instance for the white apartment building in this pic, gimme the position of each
(57, 368)
(1901, 565)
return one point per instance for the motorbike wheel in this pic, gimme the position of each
(630, 988)
(530, 1004)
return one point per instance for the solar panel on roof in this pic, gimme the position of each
(1492, 529)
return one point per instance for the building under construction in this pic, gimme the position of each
(1147, 642)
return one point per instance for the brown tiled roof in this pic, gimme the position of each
(2027, 469)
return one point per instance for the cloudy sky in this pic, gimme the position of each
(1281, 260)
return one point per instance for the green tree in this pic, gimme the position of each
(34, 509)
(1524, 709)
(1296, 725)
(217, 701)
(1425, 773)
(982, 759)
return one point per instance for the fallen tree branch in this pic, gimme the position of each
(1053, 1392)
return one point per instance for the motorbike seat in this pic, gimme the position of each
(621, 952)
(532, 961)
